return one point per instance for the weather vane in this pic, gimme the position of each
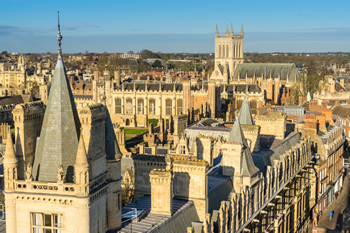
(59, 37)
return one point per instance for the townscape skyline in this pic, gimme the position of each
(187, 26)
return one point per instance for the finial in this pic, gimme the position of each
(59, 37)
(242, 30)
(216, 30)
(231, 32)
(226, 29)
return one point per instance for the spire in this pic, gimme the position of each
(58, 142)
(231, 31)
(227, 30)
(59, 37)
(10, 156)
(216, 30)
(81, 158)
(248, 167)
(242, 30)
(245, 115)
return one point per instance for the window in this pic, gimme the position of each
(182, 150)
(226, 50)
(179, 106)
(140, 106)
(46, 223)
(168, 106)
(118, 106)
(219, 50)
(152, 107)
(129, 106)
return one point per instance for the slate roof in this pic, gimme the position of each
(245, 115)
(248, 167)
(58, 142)
(184, 213)
(266, 70)
(15, 99)
(341, 111)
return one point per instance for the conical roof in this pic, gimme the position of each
(248, 167)
(81, 159)
(10, 156)
(58, 142)
(245, 115)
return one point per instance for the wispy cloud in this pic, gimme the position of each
(9, 30)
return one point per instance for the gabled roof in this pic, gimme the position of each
(282, 70)
(245, 115)
(248, 167)
(58, 142)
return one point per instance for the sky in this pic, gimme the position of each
(169, 26)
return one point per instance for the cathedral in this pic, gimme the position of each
(62, 173)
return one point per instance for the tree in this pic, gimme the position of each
(4, 52)
(148, 54)
(157, 64)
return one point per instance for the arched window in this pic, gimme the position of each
(219, 50)
(226, 50)
(118, 106)
(152, 107)
(179, 106)
(140, 106)
(168, 107)
(129, 106)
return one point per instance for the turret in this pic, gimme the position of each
(81, 169)
(10, 165)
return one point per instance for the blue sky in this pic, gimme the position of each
(174, 26)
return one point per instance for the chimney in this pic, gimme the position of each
(161, 191)
(116, 77)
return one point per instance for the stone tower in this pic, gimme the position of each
(228, 53)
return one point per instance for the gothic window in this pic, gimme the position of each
(118, 106)
(168, 107)
(179, 106)
(219, 50)
(140, 106)
(234, 50)
(152, 107)
(129, 106)
(226, 50)
(46, 223)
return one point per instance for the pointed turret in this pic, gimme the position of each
(58, 142)
(216, 30)
(81, 158)
(242, 30)
(81, 168)
(10, 156)
(245, 115)
(231, 31)
(248, 167)
(10, 165)
(227, 30)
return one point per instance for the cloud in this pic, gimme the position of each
(76, 27)
(9, 30)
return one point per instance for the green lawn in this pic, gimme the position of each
(134, 131)
(127, 138)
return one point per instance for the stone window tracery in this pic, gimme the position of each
(129, 106)
(118, 106)
(179, 106)
(140, 106)
(168, 107)
(152, 107)
(46, 222)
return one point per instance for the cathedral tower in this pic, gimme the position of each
(228, 53)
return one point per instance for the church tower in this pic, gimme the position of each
(228, 54)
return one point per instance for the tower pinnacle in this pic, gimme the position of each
(242, 30)
(231, 32)
(216, 30)
(59, 37)
(227, 30)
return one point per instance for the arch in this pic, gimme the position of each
(227, 55)
(179, 107)
(140, 106)
(219, 50)
(152, 107)
(127, 122)
(128, 106)
(118, 106)
(168, 107)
